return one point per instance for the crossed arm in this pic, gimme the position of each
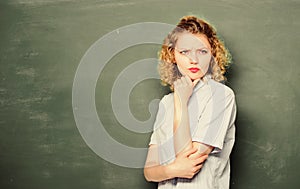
(189, 155)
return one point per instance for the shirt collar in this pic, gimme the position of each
(202, 82)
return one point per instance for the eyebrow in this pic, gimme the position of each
(183, 48)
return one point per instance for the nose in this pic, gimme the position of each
(193, 58)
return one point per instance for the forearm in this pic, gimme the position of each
(181, 127)
(153, 170)
(185, 165)
(159, 173)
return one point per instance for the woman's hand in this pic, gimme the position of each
(183, 88)
(188, 164)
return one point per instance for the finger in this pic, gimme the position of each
(179, 81)
(189, 152)
(188, 80)
(196, 81)
(195, 155)
(198, 167)
(176, 83)
(198, 155)
(201, 159)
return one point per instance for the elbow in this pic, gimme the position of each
(146, 175)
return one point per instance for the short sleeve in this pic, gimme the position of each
(218, 116)
(162, 134)
(159, 121)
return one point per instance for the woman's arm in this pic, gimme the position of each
(183, 166)
(189, 156)
(181, 128)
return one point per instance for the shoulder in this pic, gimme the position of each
(220, 88)
(167, 99)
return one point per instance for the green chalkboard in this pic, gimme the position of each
(41, 47)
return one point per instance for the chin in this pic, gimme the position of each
(194, 78)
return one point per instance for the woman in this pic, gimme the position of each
(194, 129)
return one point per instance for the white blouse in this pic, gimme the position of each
(212, 112)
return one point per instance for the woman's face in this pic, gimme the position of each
(192, 55)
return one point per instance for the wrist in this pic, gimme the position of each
(180, 102)
(170, 170)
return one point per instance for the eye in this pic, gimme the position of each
(202, 51)
(184, 52)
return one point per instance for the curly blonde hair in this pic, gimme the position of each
(221, 56)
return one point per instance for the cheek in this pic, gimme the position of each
(181, 61)
(181, 68)
(177, 58)
(204, 63)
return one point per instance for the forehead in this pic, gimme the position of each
(189, 40)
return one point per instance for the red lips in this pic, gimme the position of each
(194, 70)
